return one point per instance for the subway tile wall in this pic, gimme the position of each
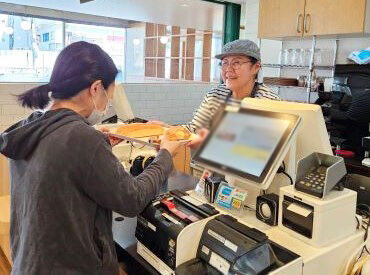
(172, 103)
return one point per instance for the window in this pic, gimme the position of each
(109, 39)
(45, 37)
(25, 53)
(170, 53)
(142, 52)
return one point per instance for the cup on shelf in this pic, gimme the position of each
(293, 57)
(317, 57)
(327, 57)
(300, 57)
(285, 57)
(307, 57)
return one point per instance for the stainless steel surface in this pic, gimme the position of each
(309, 81)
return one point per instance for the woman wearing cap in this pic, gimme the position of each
(65, 181)
(240, 64)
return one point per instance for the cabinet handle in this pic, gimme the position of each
(298, 20)
(306, 25)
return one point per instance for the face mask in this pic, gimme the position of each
(97, 116)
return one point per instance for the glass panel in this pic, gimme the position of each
(108, 38)
(198, 69)
(198, 46)
(215, 70)
(28, 48)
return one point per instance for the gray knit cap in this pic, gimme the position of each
(240, 47)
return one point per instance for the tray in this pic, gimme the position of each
(150, 142)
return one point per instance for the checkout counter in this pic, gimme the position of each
(184, 233)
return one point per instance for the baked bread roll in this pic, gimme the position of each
(178, 133)
(137, 130)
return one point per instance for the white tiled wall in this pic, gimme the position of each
(10, 110)
(172, 103)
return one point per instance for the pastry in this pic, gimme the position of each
(178, 133)
(137, 130)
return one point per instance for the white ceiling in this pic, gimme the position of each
(197, 14)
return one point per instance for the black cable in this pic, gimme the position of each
(290, 178)
(282, 170)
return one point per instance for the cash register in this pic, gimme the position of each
(248, 146)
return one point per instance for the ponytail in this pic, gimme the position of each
(35, 98)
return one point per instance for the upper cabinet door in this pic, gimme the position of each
(334, 17)
(281, 18)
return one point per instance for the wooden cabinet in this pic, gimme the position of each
(284, 18)
(324, 17)
(280, 18)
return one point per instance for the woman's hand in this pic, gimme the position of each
(170, 146)
(202, 135)
(113, 140)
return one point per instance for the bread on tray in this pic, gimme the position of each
(137, 130)
(178, 133)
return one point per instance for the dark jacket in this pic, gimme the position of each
(65, 182)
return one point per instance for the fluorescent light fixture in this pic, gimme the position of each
(26, 25)
(164, 39)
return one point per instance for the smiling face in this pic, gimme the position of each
(238, 70)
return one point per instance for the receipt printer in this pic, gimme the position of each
(318, 222)
(229, 247)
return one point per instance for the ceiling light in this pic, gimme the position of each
(136, 41)
(184, 5)
(26, 25)
(164, 39)
(9, 30)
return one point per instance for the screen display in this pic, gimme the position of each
(245, 141)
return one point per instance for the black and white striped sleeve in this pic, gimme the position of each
(204, 114)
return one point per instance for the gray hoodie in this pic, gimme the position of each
(65, 182)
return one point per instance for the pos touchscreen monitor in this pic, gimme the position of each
(247, 144)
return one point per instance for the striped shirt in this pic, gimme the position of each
(220, 95)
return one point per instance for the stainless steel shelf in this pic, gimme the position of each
(280, 66)
(287, 87)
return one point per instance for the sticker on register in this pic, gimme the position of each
(219, 263)
(223, 240)
(224, 196)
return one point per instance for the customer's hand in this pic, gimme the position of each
(170, 146)
(202, 135)
(113, 140)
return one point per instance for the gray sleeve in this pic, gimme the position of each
(109, 185)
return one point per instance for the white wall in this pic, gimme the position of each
(172, 103)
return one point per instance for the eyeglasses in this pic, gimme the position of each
(235, 65)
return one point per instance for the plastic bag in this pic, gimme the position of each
(361, 57)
